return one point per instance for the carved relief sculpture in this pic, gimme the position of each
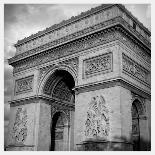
(20, 126)
(61, 91)
(97, 123)
(98, 64)
(134, 69)
(24, 85)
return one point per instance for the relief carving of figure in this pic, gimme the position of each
(97, 123)
(20, 126)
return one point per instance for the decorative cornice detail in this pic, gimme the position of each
(65, 22)
(96, 39)
(111, 83)
(70, 29)
(86, 19)
(97, 27)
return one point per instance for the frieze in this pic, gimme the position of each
(97, 123)
(68, 49)
(24, 85)
(69, 37)
(81, 44)
(19, 133)
(69, 29)
(132, 68)
(99, 64)
(86, 22)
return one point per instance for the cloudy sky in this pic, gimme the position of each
(22, 20)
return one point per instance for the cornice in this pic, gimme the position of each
(114, 24)
(79, 17)
(65, 22)
(119, 81)
(37, 98)
(133, 17)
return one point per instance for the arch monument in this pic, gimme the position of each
(83, 84)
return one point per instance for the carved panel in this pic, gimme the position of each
(24, 85)
(61, 91)
(74, 47)
(97, 123)
(98, 64)
(20, 126)
(133, 69)
(67, 49)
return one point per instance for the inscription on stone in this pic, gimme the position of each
(24, 85)
(98, 64)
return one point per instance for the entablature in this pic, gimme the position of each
(116, 32)
(98, 20)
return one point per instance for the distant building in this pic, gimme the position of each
(83, 84)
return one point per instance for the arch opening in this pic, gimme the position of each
(59, 86)
(135, 125)
(58, 131)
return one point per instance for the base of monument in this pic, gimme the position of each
(104, 146)
(19, 148)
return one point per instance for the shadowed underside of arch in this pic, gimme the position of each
(59, 85)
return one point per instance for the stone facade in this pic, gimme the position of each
(75, 84)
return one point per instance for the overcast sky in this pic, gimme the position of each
(22, 20)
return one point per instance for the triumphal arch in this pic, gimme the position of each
(83, 84)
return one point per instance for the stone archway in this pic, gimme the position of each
(58, 87)
(59, 132)
(138, 114)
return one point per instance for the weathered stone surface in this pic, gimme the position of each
(109, 70)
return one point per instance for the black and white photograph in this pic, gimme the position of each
(77, 76)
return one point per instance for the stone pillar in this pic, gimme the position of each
(23, 127)
(115, 137)
(44, 127)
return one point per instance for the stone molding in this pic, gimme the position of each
(70, 29)
(79, 45)
(98, 64)
(38, 98)
(98, 27)
(24, 85)
(119, 81)
(94, 16)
